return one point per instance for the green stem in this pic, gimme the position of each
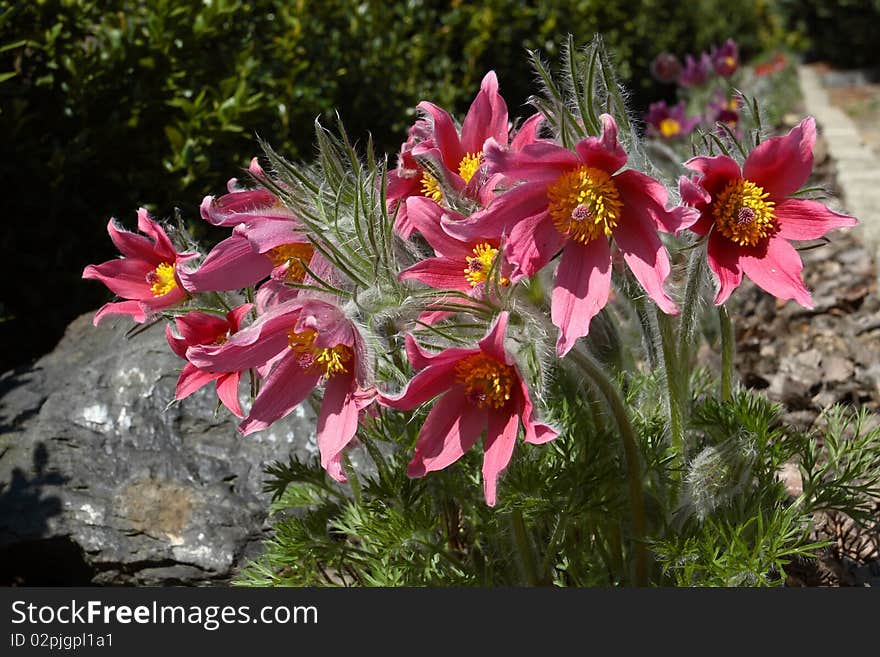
(630, 447)
(690, 304)
(524, 548)
(727, 351)
(674, 386)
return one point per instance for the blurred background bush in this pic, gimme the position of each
(112, 104)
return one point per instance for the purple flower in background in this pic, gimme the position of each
(726, 59)
(669, 122)
(665, 67)
(725, 110)
(695, 72)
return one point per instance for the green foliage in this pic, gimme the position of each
(566, 499)
(842, 33)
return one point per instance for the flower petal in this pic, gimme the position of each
(646, 197)
(451, 429)
(231, 265)
(125, 277)
(487, 117)
(541, 161)
(425, 215)
(723, 258)
(781, 165)
(132, 245)
(283, 390)
(536, 433)
(131, 308)
(439, 273)
(493, 343)
(420, 359)
(423, 387)
(192, 379)
(604, 152)
(337, 421)
(645, 255)
(227, 392)
(717, 172)
(445, 136)
(583, 281)
(800, 219)
(776, 268)
(201, 328)
(151, 229)
(499, 444)
(527, 133)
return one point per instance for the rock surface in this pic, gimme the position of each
(104, 481)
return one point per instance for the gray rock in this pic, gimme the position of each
(104, 480)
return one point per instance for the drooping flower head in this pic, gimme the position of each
(480, 391)
(725, 59)
(669, 122)
(695, 71)
(665, 67)
(750, 215)
(200, 328)
(146, 276)
(573, 203)
(467, 266)
(305, 343)
(267, 240)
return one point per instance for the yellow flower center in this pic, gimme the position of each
(469, 165)
(431, 188)
(584, 204)
(669, 127)
(742, 213)
(730, 61)
(479, 266)
(330, 361)
(296, 254)
(487, 381)
(162, 279)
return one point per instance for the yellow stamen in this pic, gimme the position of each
(730, 61)
(742, 213)
(479, 266)
(487, 381)
(584, 204)
(469, 165)
(329, 361)
(431, 188)
(162, 279)
(669, 127)
(296, 254)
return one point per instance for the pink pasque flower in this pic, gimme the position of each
(573, 203)
(307, 343)
(147, 275)
(669, 122)
(458, 155)
(750, 216)
(481, 391)
(267, 240)
(199, 328)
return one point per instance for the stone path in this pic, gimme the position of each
(858, 167)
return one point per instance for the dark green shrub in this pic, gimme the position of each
(108, 105)
(843, 33)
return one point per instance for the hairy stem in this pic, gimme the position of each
(524, 548)
(675, 387)
(727, 352)
(630, 447)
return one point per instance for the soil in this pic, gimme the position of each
(809, 360)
